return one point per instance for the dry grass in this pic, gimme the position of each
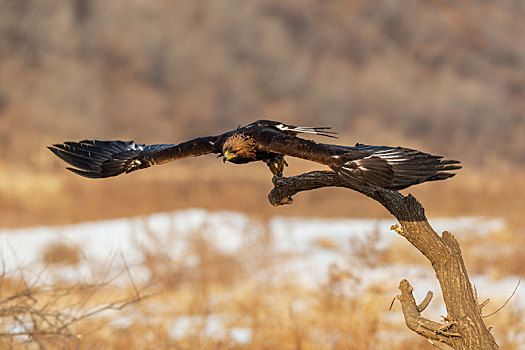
(158, 72)
(497, 255)
(206, 298)
(57, 316)
(61, 253)
(60, 197)
(227, 288)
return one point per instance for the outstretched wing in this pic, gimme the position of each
(100, 159)
(388, 167)
(392, 167)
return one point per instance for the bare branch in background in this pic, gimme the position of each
(49, 315)
(502, 306)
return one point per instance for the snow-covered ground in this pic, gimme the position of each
(105, 243)
(312, 246)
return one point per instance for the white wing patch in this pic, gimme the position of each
(132, 145)
(323, 131)
(299, 129)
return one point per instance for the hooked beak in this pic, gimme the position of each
(226, 156)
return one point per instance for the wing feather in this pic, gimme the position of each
(293, 130)
(389, 167)
(393, 167)
(101, 159)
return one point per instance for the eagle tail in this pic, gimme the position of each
(393, 168)
(100, 159)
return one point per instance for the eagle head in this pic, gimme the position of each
(239, 148)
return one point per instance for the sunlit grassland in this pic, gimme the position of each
(252, 296)
(55, 196)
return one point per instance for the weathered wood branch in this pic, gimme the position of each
(429, 329)
(464, 328)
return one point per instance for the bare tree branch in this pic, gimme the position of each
(425, 327)
(424, 303)
(464, 328)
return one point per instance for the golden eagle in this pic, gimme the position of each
(268, 141)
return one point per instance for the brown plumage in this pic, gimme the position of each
(268, 141)
(240, 146)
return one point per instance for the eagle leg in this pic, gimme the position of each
(273, 169)
(281, 163)
(277, 165)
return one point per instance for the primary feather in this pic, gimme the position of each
(268, 141)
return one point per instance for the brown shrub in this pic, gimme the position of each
(59, 253)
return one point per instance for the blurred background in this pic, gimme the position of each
(445, 77)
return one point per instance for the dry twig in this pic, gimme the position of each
(502, 306)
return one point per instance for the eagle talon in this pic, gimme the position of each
(277, 165)
(287, 200)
